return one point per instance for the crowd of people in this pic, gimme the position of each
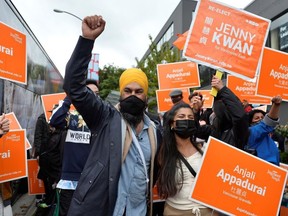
(107, 159)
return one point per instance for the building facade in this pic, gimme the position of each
(178, 23)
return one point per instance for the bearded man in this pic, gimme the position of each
(116, 177)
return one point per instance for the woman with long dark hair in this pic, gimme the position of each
(175, 179)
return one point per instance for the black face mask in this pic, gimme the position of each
(185, 128)
(132, 105)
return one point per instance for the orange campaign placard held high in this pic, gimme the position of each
(14, 125)
(164, 101)
(12, 54)
(273, 76)
(244, 89)
(226, 38)
(237, 183)
(178, 75)
(50, 100)
(13, 161)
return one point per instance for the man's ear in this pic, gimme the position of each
(146, 101)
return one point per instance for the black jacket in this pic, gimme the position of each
(234, 127)
(41, 134)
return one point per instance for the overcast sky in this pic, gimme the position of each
(128, 24)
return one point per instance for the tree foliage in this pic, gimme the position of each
(109, 79)
(149, 66)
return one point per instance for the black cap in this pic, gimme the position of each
(175, 92)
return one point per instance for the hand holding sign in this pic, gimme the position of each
(4, 124)
(196, 103)
(216, 83)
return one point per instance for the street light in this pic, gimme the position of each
(61, 11)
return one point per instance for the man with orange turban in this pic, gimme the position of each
(118, 175)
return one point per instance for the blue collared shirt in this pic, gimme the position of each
(132, 186)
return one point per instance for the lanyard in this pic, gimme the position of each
(135, 141)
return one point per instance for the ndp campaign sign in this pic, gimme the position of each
(237, 183)
(273, 73)
(35, 185)
(164, 101)
(244, 89)
(14, 125)
(226, 38)
(178, 75)
(50, 100)
(13, 156)
(12, 54)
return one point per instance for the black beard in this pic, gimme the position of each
(132, 119)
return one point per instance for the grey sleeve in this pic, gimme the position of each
(270, 122)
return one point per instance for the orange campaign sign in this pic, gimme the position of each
(244, 89)
(284, 203)
(208, 98)
(237, 183)
(50, 100)
(226, 38)
(13, 156)
(178, 75)
(35, 185)
(273, 73)
(12, 54)
(14, 125)
(164, 101)
(156, 197)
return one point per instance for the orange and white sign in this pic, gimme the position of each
(164, 101)
(207, 97)
(35, 185)
(14, 125)
(244, 89)
(226, 38)
(273, 76)
(12, 54)
(178, 75)
(49, 100)
(13, 161)
(284, 204)
(243, 185)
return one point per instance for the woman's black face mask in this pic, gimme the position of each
(185, 128)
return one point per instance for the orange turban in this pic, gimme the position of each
(133, 75)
